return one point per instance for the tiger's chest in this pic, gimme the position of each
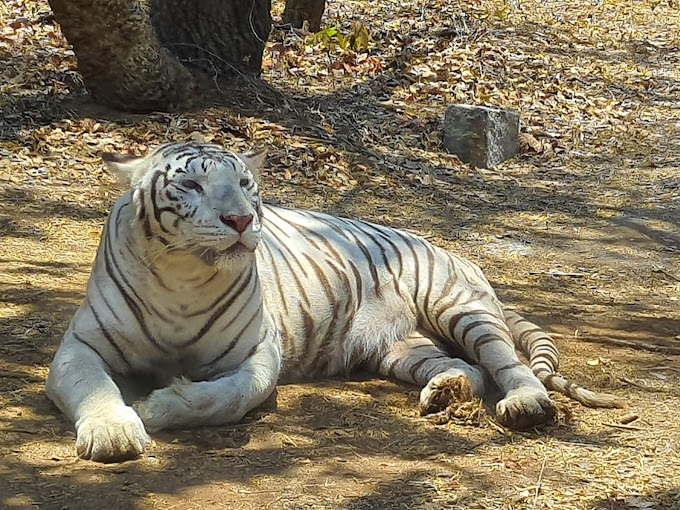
(194, 327)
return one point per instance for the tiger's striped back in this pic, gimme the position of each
(344, 291)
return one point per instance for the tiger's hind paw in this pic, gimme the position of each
(444, 390)
(525, 408)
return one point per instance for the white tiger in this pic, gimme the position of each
(208, 294)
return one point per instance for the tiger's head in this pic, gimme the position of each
(196, 198)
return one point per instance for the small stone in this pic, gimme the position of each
(481, 136)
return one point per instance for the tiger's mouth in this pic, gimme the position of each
(210, 256)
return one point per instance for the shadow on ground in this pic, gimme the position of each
(313, 436)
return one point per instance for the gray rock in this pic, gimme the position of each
(481, 136)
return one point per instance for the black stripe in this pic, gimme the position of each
(142, 214)
(416, 265)
(170, 210)
(445, 292)
(246, 302)
(102, 295)
(116, 218)
(287, 339)
(277, 277)
(203, 164)
(94, 349)
(175, 150)
(157, 276)
(455, 319)
(512, 318)
(271, 223)
(551, 356)
(428, 291)
(383, 253)
(206, 282)
(154, 198)
(321, 275)
(423, 346)
(458, 301)
(221, 296)
(371, 263)
(190, 159)
(384, 234)
(475, 324)
(359, 283)
(107, 335)
(331, 222)
(414, 368)
(348, 313)
(148, 307)
(331, 336)
(134, 307)
(308, 325)
(482, 340)
(508, 367)
(224, 306)
(283, 256)
(522, 334)
(236, 339)
(308, 233)
(312, 351)
(170, 196)
(388, 369)
(412, 371)
(282, 244)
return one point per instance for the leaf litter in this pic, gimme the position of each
(352, 124)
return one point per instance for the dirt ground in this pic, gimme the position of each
(580, 233)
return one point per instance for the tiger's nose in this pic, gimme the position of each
(238, 223)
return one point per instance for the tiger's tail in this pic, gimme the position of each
(543, 358)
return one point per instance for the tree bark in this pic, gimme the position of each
(219, 37)
(145, 55)
(119, 55)
(299, 11)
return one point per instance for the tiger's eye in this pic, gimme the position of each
(191, 184)
(243, 182)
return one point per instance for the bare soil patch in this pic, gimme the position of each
(580, 233)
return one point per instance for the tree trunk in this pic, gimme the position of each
(219, 37)
(139, 57)
(299, 11)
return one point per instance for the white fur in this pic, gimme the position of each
(179, 295)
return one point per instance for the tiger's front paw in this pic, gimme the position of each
(525, 408)
(186, 404)
(183, 404)
(164, 408)
(111, 435)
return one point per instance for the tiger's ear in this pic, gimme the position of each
(127, 167)
(254, 160)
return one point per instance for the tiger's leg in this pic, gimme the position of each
(222, 400)
(444, 379)
(79, 384)
(486, 338)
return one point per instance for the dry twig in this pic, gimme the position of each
(620, 426)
